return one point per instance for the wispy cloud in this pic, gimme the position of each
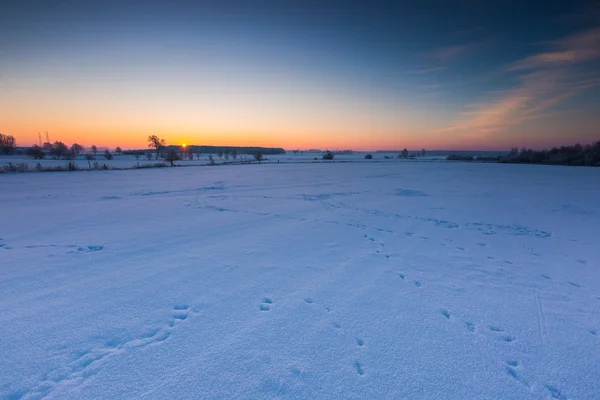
(546, 80)
(449, 53)
(441, 58)
(428, 70)
(574, 49)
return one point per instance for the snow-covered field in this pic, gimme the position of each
(129, 161)
(301, 281)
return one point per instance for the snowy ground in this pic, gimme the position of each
(316, 281)
(129, 161)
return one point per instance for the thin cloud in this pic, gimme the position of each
(428, 70)
(449, 53)
(547, 79)
(574, 49)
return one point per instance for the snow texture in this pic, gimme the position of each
(290, 281)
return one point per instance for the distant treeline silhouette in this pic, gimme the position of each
(577, 155)
(230, 149)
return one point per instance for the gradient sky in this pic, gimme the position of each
(364, 75)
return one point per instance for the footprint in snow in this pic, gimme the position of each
(446, 314)
(417, 283)
(360, 342)
(359, 369)
(555, 393)
(470, 326)
(266, 304)
(512, 370)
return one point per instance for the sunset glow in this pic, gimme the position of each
(297, 76)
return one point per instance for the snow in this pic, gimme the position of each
(405, 280)
(129, 161)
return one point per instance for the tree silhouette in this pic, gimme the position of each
(7, 144)
(154, 142)
(36, 152)
(95, 150)
(76, 148)
(59, 150)
(172, 156)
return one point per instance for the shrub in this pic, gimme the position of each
(155, 165)
(108, 155)
(328, 155)
(258, 156)
(35, 152)
(172, 156)
(369, 157)
(7, 144)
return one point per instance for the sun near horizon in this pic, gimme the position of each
(301, 75)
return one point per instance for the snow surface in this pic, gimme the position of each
(301, 281)
(129, 161)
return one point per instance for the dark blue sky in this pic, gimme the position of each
(462, 74)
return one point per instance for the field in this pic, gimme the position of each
(390, 280)
(129, 161)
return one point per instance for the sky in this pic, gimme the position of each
(362, 75)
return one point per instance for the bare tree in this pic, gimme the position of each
(7, 144)
(76, 148)
(36, 152)
(154, 142)
(220, 154)
(172, 156)
(108, 155)
(59, 150)
(234, 155)
(258, 156)
(211, 160)
(226, 156)
(95, 150)
(118, 150)
(137, 157)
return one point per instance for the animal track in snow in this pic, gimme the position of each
(508, 339)
(417, 283)
(594, 332)
(401, 276)
(470, 326)
(577, 285)
(554, 392)
(89, 249)
(360, 342)
(496, 329)
(511, 370)
(546, 277)
(266, 304)
(90, 361)
(359, 368)
(446, 314)
(308, 300)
